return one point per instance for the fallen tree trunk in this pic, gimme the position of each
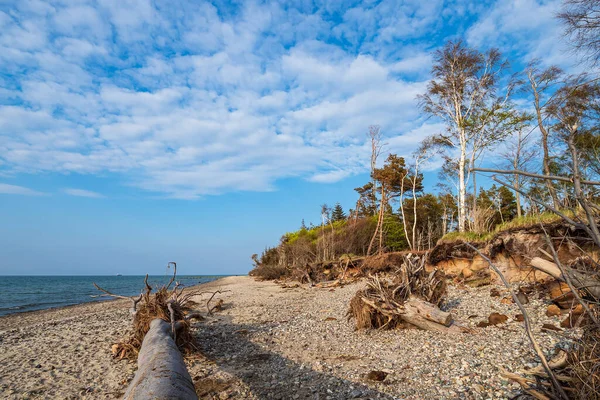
(161, 371)
(585, 281)
(417, 312)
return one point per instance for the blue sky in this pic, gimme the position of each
(137, 132)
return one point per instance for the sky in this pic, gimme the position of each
(138, 132)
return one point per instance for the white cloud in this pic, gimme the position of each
(82, 193)
(20, 190)
(193, 100)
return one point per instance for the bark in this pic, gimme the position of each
(462, 187)
(421, 314)
(161, 371)
(416, 307)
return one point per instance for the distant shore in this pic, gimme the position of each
(275, 342)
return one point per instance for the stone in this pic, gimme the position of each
(494, 292)
(496, 318)
(552, 310)
(519, 318)
(377, 376)
(466, 273)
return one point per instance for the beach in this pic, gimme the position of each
(273, 342)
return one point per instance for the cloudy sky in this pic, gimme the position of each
(136, 132)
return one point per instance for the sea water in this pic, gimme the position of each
(28, 293)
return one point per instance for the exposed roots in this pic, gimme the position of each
(168, 304)
(382, 303)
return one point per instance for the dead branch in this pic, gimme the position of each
(532, 175)
(135, 301)
(526, 321)
(211, 297)
(174, 272)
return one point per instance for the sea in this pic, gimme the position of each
(29, 293)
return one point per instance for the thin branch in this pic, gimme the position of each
(526, 321)
(174, 273)
(211, 297)
(118, 296)
(532, 175)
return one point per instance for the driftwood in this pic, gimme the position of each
(408, 298)
(161, 371)
(585, 281)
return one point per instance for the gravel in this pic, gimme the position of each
(274, 343)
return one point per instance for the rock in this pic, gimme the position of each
(507, 300)
(522, 297)
(377, 376)
(494, 292)
(519, 318)
(552, 310)
(561, 295)
(496, 318)
(577, 310)
(483, 324)
(466, 273)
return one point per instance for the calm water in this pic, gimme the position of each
(27, 293)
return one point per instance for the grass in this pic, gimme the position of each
(521, 222)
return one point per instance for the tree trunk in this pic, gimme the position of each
(518, 197)
(161, 371)
(546, 157)
(379, 221)
(462, 187)
(414, 193)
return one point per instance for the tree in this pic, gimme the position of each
(541, 85)
(582, 20)
(392, 178)
(420, 157)
(338, 213)
(376, 146)
(463, 95)
(366, 205)
(577, 111)
(519, 153)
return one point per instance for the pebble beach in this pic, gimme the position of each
(272, 342)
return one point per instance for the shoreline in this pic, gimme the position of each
(95, 301)
(275, 342)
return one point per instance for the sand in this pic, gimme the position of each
(273, 342)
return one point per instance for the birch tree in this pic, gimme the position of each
(518, 155)
(541, 85)
(463, 89)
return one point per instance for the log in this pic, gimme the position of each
(585, 281)
(420, 308)
(161, 371)
(421, 314)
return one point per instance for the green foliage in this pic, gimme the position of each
(471, 237)
(394, 235)
(338, 213)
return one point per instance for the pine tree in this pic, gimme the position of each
(338, 213)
